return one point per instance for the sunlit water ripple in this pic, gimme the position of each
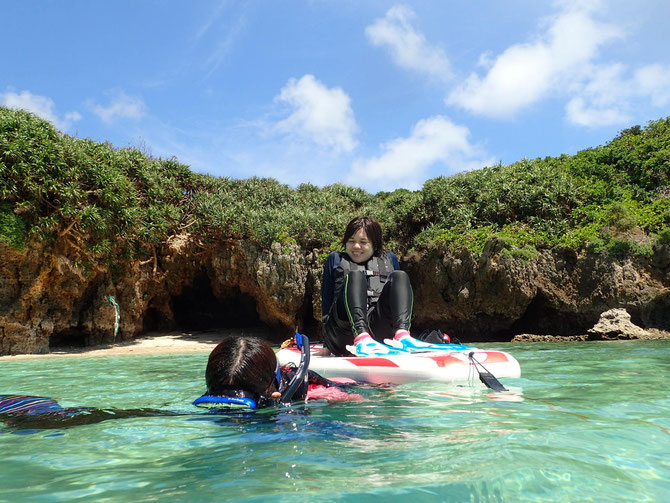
(586, 422)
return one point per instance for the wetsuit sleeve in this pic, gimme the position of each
(28, 405)
(318, 380)
(328, 283)
(394, 260)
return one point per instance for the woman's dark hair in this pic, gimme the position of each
(372, 230)
(241, 363)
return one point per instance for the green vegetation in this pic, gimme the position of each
(115, 204)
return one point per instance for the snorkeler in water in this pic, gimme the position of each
(240, 371)
(245, 371)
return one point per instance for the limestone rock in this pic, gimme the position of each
(617, 324)
(49, 296)
(560, 293)
(549, 338)
(53, 294)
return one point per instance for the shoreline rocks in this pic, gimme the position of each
(614, 324)
(54, 295)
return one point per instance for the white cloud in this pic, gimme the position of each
(526, 73)
(121, 106)
(580, 112)
(654, 81)
(42, 106)
(408, 47)
(73, 117)
(218, 35)
(320, 115)
(609, 97)
(212, 18)
(405, 161)
(601, 101)
(223, 48)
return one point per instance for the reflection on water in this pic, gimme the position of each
(586, 422)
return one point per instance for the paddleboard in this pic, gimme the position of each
(451, 365)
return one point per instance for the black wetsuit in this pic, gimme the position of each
(375, 297)
(45, 413)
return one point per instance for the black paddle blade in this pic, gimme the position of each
(485, 376)
(490, 380)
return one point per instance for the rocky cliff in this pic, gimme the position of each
(497, 296)
(51, 295)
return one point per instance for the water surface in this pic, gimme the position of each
(585, 422)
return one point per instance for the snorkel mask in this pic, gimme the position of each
(252, 400)
(215, 401)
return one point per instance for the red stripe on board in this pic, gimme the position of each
(444, 360)
(494, 357)
(372, 362)
(491, 357)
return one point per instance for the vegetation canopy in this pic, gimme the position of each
(118, 203)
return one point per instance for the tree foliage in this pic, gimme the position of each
(122, 204)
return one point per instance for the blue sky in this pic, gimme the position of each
(374, 94)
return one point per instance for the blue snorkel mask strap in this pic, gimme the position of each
(216, 401)
(300, 377)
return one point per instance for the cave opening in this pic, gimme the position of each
(309, 325)
(152, 320)
(70, 337)
(656, 314)
(542, 318)
(198, 308)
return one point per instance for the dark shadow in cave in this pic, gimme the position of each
(541, 318)
(656, 314)
(153, 320)
(309, 324)
(198, 308)
(76, 336)
(72, 337)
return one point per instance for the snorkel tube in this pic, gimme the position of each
(300, 378)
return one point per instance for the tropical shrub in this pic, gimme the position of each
(121, 204)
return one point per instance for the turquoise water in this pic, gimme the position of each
(586, 422)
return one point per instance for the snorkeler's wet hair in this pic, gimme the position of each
(241, 363)
(372, 230)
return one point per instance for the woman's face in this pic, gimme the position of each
(359, 247)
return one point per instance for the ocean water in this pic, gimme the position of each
(586, 422)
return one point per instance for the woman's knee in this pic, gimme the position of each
(398, 276)
(356, 276)
(357, 281)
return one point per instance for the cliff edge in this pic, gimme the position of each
(48, 299)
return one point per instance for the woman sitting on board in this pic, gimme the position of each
(365, 297)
